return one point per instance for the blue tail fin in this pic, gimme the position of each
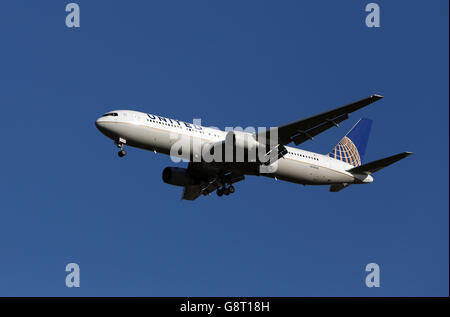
(353, 145)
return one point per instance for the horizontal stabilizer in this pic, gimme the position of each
(375, 166)
(338, 187)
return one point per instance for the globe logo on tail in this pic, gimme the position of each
(346, 151)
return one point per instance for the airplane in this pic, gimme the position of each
(339, 168)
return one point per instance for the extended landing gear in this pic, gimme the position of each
(120, 144)
(225, 190)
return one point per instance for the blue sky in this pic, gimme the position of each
(67, 197)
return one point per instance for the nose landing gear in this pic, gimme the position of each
(120, 143)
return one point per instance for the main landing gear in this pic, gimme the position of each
(120, 144)
(225, 190)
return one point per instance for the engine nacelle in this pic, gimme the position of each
(177, 176)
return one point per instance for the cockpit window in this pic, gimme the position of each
(114, 114)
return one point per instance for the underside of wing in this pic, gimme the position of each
(191, 192)
(208, 179)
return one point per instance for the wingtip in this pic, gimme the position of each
(405, 154)
(376, 96)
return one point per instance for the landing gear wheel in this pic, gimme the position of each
(219, 192)
(226, 191)
(231, 189)
(119, 143)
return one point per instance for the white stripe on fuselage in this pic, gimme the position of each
(298, 166)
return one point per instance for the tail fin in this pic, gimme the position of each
(353, 145)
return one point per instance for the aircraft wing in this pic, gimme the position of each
(305, 129)
(191, 192)
(209, 179)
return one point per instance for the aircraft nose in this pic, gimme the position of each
(105, 127)
(97, 123)
(100, 124)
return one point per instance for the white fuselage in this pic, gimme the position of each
(152, 132)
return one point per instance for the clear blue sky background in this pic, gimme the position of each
(67, 197)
